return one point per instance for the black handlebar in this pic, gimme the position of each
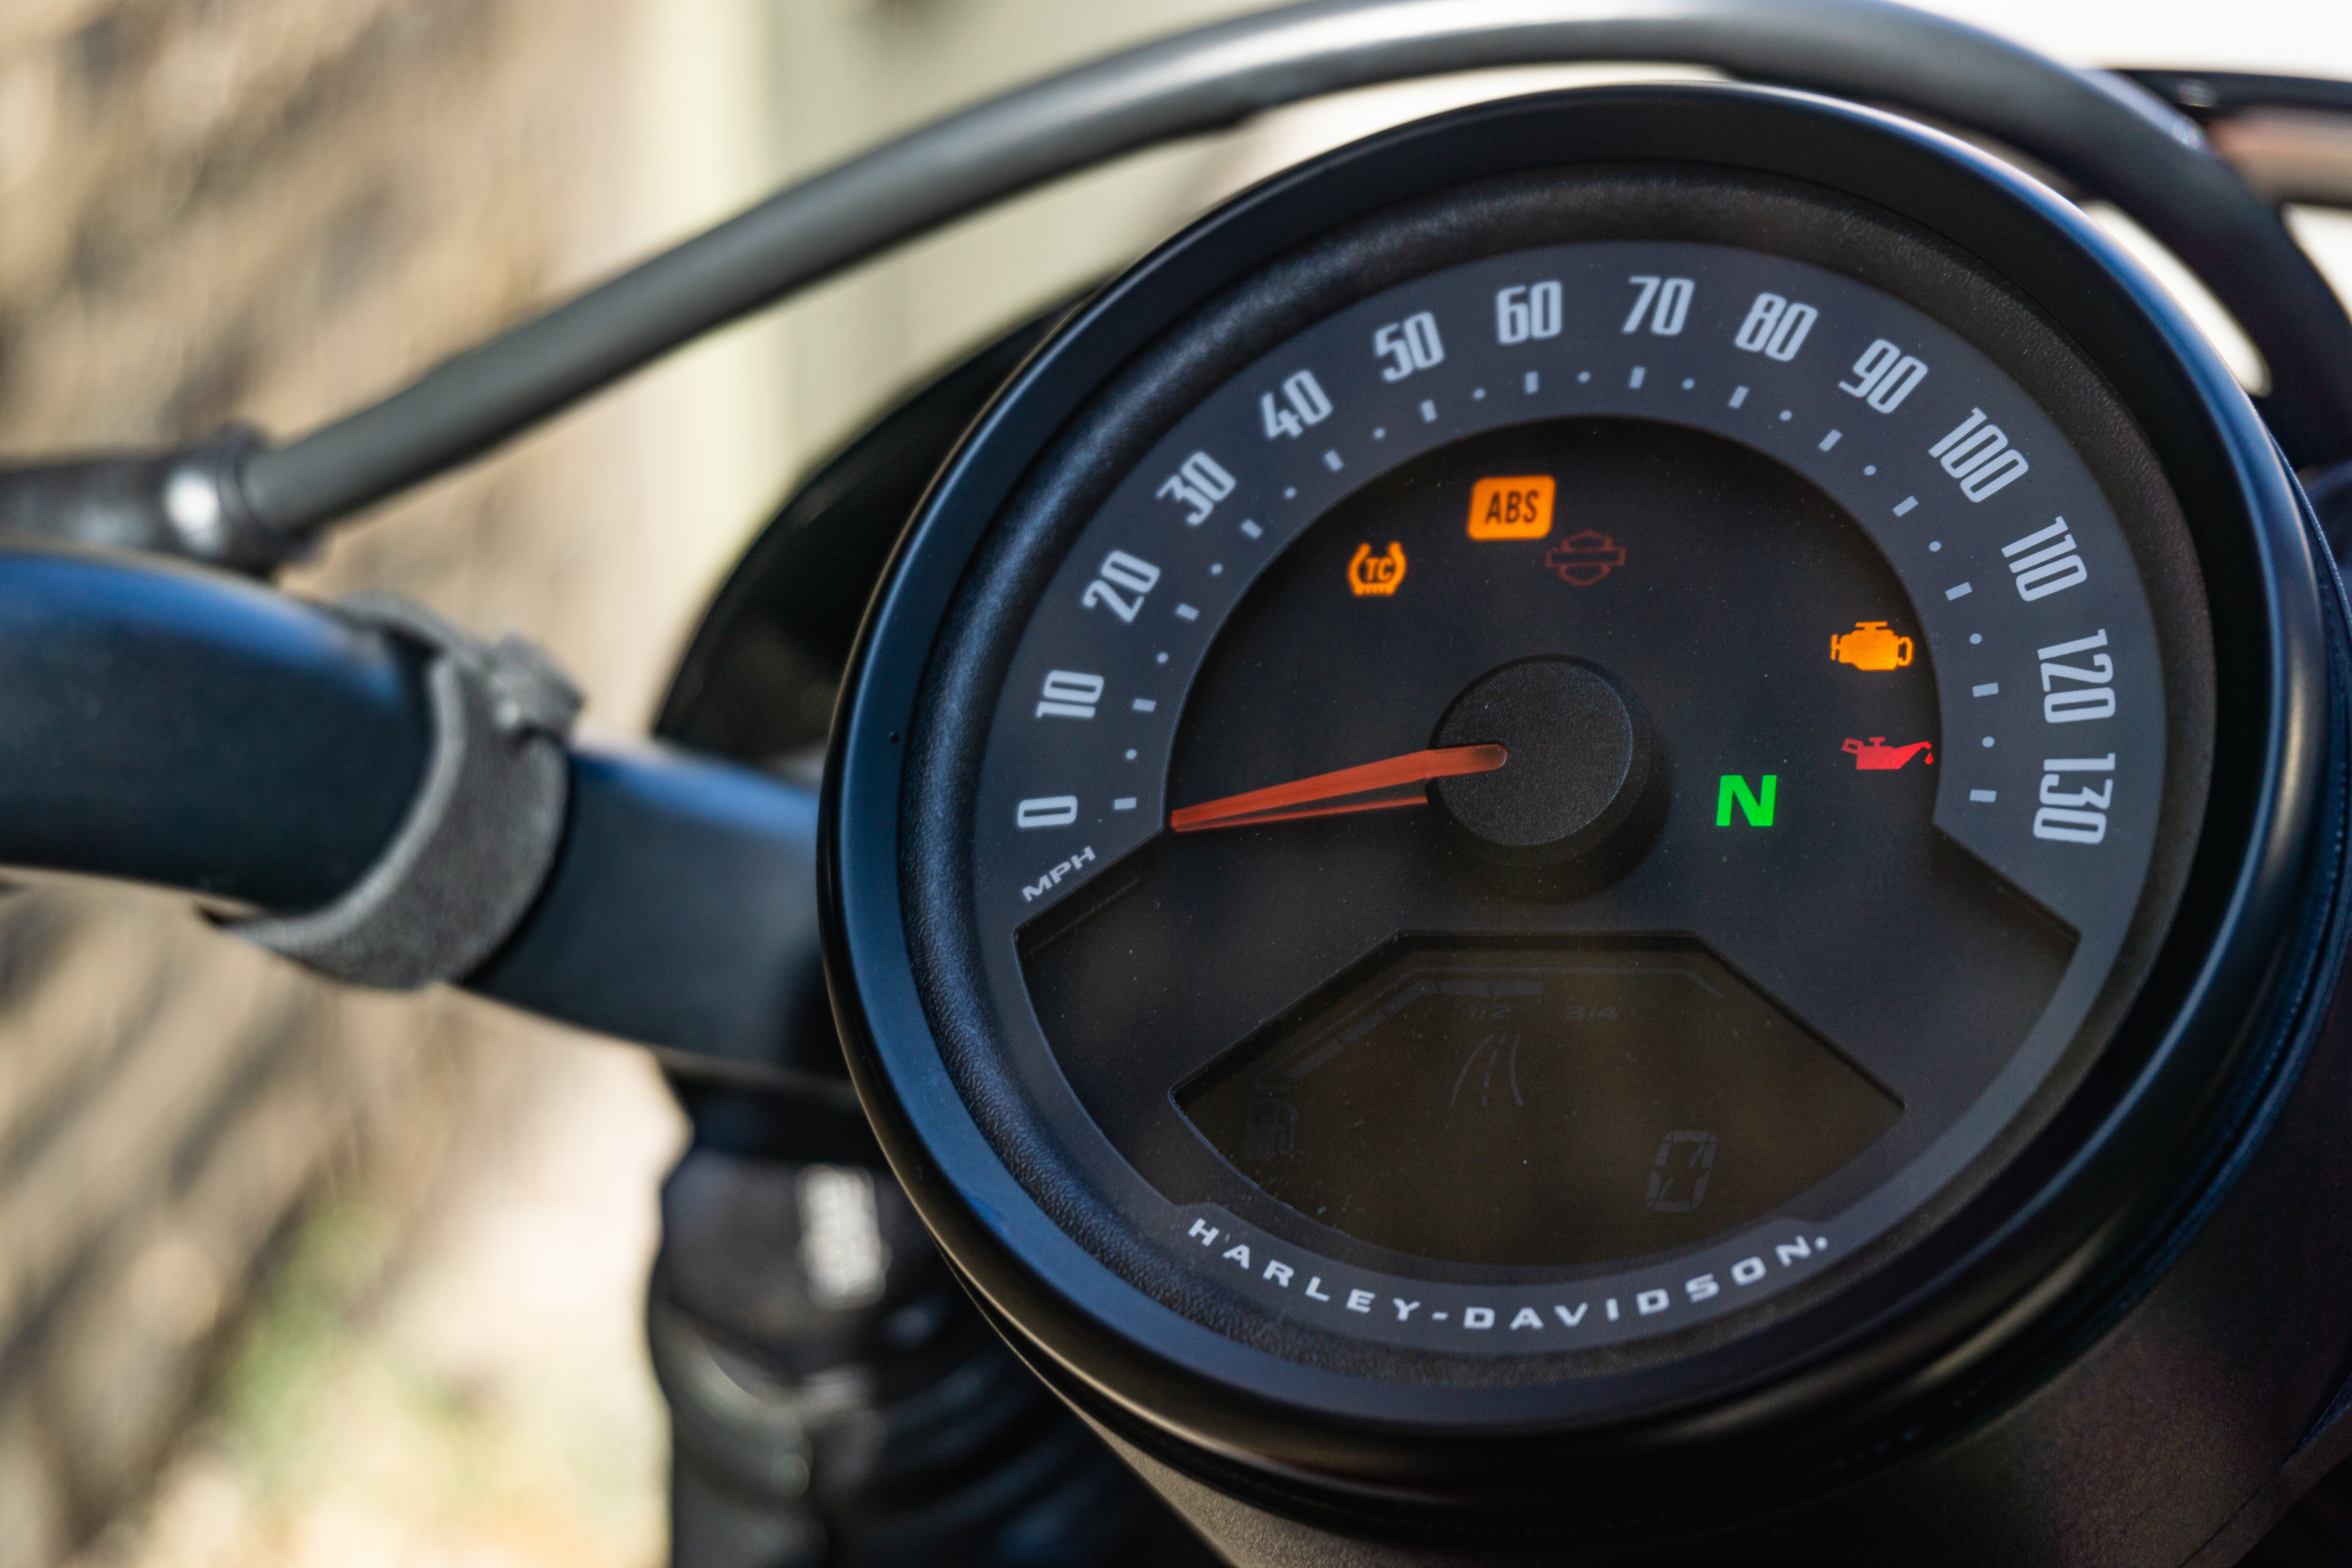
(170, 724)
(178, 726)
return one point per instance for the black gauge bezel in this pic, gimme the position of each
(2082, 1195)
(991, 1050)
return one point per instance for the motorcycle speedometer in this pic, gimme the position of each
(1599, 792)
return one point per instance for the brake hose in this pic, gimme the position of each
(2107, 134)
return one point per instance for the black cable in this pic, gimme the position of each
(2207, 96)
(2102, 132)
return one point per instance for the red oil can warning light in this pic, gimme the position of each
(1874, 756)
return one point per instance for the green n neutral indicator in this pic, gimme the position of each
(1755, 804)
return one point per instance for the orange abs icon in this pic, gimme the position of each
(1371, 576)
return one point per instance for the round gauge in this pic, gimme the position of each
(1550, 762)
(1585, 781)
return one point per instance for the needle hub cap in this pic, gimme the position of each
(1582, 760)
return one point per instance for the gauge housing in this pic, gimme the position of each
(1952, 1318)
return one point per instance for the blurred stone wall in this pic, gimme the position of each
(264, 210)
(271, 211)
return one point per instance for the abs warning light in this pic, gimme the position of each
(1518, 507)
(1870, 645)
(1376, 576)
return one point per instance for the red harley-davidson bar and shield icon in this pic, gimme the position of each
(1585, 557)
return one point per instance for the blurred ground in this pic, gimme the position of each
(478, 1400)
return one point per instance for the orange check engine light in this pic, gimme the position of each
(1870, 645)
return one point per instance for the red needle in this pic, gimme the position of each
(1273, 802)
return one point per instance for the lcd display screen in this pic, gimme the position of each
(1578, 1103)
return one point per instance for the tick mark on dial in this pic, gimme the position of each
(1689, 384)
(1987, 742)
(1428, 412)
(1638, 372)
(1583, 375)
(1976, 637)
(1868, 469)
(1786, 414)
(1477, 394)
(1935, 544)
(1290, 495)
(1738, 396)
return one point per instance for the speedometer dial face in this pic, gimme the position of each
(1568, 793)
